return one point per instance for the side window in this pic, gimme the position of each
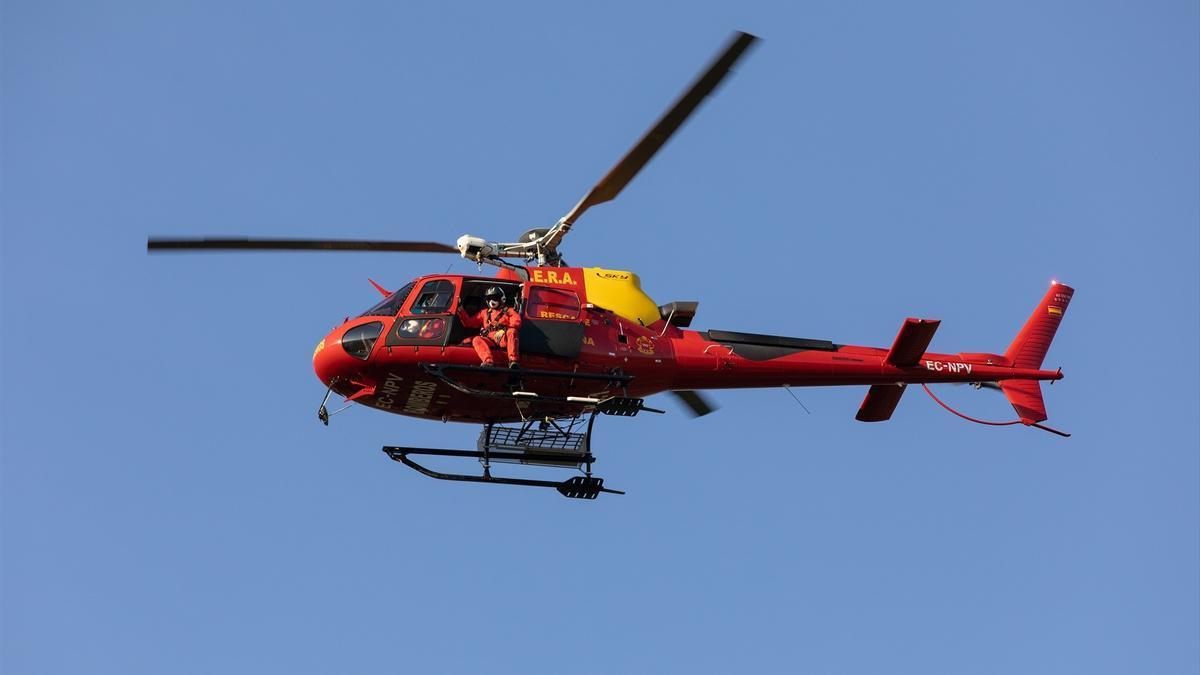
(554, 304)
(435, 298)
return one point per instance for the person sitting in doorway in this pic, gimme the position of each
(499, 325)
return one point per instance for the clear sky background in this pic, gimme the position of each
(172, 505)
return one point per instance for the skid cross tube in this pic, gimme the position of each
(612, 405)
(574, 375)
(439, 371)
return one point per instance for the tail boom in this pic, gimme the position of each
(727, 360)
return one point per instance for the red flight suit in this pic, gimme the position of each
(498, 328)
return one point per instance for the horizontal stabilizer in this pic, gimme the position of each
(881, 400)
(911, 342)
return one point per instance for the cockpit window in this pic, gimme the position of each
(359, 340)
(434, 298)
(392, 303)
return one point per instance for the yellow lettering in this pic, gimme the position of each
(589, 341)
(541, 276)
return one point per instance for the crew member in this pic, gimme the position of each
(499, 325)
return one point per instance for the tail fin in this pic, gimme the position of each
(1032, 343)
(1029, 349)
(1026, 398)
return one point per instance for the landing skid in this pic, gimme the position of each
(548, 445)
(576, 487)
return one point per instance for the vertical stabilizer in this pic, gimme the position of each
(1029, 349)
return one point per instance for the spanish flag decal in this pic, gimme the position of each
(1054, 310)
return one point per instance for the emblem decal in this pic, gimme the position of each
(645, 345)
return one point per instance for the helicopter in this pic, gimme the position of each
(593, 343)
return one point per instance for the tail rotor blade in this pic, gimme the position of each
(696, 404)
(995, 386)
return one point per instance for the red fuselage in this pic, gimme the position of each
(387, 373)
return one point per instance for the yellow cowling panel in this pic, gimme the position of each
(621, 293)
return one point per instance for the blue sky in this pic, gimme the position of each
(171, 504)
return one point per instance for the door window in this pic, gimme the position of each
(435, 298)
(554, 304)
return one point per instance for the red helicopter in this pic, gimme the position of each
(592, 342)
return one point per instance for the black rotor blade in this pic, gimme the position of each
(983, 385)
(245, 244)
(629, 166)
(695, 402)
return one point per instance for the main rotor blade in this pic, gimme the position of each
(245, 244)
(697, 404)
(629, 166)
(982, 385)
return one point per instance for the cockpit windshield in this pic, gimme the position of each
(392, 303)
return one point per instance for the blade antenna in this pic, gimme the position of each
(788, 389)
